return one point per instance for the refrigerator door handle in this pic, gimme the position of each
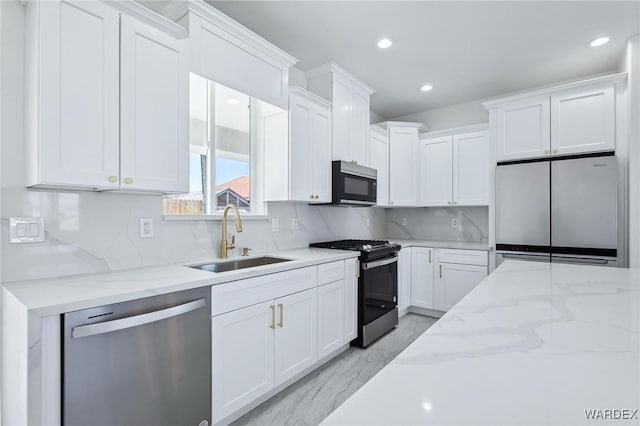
(580, 260)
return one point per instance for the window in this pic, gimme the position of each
(225, 151)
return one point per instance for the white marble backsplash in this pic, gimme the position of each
(90, 232)
(434, 223)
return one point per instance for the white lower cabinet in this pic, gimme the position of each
(351, 275)
(259, 347)
(243, 355)
(422, 293)
(454, 281)
(295, 330)
(438, 278)
(330, 317)
(404, 280)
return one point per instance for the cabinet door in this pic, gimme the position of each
(471, 169)
(403, 177)
(351, 272)
(523, 129)
(301, 179)
(341, 113)
(154, 144)
(436, 171)
(359, 123)
(422, 291)
(295, 334)
(583, 121)
(78, 99)
(404, 278)
(330, 317)
(454, 281)
(379, 160)
(321, 157)
(242, 356)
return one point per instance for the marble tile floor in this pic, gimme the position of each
(312, 398)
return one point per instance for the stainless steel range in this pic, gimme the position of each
(377, 286)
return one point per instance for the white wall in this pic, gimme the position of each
(375, 118)
(297, 77)
(631, 64)
(449, 117)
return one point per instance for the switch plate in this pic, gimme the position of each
(367, 222)
(294, 224)
(404, 221)
(454, 222)
(26, 230)
(146, 227)
(275, 224)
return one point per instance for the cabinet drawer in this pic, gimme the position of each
(238, 294)
(330, 272)
(465, 257)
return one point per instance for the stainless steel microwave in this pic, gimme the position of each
(353, 185)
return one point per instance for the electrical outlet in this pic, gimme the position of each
(146, 228)
(275, 224)
(454, 222)
(294, 224)
(404, 221)
(367, 222)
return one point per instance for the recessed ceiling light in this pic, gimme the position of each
(426, 87)
(385, 43)
(599, 41)
(232, 101)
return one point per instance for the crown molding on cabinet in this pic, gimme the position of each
(420, 126)
(176, 11)
(455, 131)
(378, 129)
(333, 67)
(304, 93)
(149, 17)
(612, 79)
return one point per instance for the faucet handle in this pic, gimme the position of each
(245, 251)
(233, 242)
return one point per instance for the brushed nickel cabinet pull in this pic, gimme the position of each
(273, 317)
(440, 271)
(429, 256)
(281, 323)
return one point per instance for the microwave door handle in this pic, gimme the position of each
(371, 265)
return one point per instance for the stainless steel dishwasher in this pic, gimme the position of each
(143, 362)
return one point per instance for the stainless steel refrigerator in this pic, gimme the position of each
(559, 210)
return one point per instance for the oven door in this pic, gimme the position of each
(353, 184)
(379, 288)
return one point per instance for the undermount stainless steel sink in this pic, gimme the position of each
(232, 265)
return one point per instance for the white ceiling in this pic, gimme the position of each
(467, 50)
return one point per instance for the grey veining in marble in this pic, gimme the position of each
(312, 398)
(434, 223)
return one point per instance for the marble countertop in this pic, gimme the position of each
(534, 343)
(462, 245)
(54, 296)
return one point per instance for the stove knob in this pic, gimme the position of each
(367, 247)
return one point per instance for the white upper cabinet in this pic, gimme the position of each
(379, 160)
(154, 109)
(583, 120)
(106, 97)
(523, 129)
(403, 164)
(436, 171)
(350, 111)
(574, 118)
(73, 94)
(228, 53)
(471, 169)
(298, 168)
(454, 167)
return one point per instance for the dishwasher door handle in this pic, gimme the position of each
(136, 320)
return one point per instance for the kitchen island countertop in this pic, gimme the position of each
(534, 343)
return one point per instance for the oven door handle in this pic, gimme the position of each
(371, 265)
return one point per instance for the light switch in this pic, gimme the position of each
(26, 229)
